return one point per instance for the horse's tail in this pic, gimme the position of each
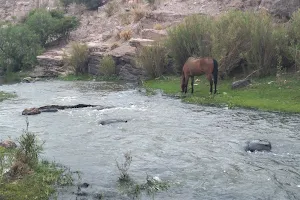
(215, 72)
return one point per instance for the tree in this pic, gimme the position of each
(19, 47)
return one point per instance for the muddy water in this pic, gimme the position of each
(198, 149)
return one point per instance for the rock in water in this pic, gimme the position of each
(111, 121)
(258, 145)
(31, 111)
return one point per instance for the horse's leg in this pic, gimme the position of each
(192, 83)
(186, 83)
(209, 78)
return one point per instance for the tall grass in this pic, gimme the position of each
(78, 58)
(153, 59)
(246, 41)
(192, 37)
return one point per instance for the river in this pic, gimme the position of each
(198, 149)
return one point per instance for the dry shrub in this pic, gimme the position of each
(138, 13)
(111, 8)
(78, 57)
(114, 45)
(125, 34)
(158, 27)
(125, 18)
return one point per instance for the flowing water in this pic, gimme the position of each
(197, 149)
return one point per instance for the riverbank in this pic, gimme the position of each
(268, 94)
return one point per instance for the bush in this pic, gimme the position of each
(19, 47)
(78, 58)
(50, 26)
(192, 37)
(294, 30)
(153, 59)
(247, 37)
(125, 34)
(107, 66)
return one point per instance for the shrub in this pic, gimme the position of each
(192, 37)
(110, 8)
(249, 37)
(125, 34)
(153, 59)
(50, 25)
(107, 66)
(78, 58)
(138, 14)
(158, 27)
(294, 29)
(19, 47)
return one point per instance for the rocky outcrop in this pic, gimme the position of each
(258, 145)
(8, 144)
(153, 34)
(140, 42)
(52, 108)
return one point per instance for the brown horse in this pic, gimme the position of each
(196, 67)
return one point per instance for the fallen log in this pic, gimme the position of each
(52, 108)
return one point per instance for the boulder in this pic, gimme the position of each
(31, 111)
(258, 145)
(240, 84)
(153, 34)
(139, 42)
(131, 73)
(8, 144)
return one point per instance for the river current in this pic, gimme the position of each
(198, 149)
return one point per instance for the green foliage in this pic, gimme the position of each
(19, 47)
(294, 30)
(51, 25)
(192, 37)
(153, 59)
(107, 66)
(78, 58)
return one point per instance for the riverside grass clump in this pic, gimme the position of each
(153, 59)
(77, 58)
(267, 94)
(133, 189)
(26, 177)
(5, 95)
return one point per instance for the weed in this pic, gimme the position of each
(125, 34)
(158, 27)
(111, 8)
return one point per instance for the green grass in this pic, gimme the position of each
(5, 95)
(267, 94)
(38, 185)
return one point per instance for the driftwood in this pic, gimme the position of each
(52, 108)
(244, 82)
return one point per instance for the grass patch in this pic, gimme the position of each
(5, 95)
(88, 77)
(23, 176)
(267, 94)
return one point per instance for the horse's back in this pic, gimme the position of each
(198, 66)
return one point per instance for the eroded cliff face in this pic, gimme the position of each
(15, 9)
